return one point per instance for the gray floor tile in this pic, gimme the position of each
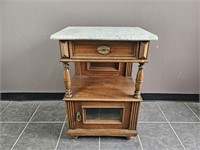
(195, 108)
(3, 105)
(189, 134)
(19, 111)
(9, 133)
(37, 136)
(81, 143)
(150, 112)
(116, 143)
(45, 135)
(50, 111)
(158, 136)
(177, 112)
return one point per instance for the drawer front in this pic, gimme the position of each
(116, 50)
(81, 49)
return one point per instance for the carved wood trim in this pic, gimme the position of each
(128, 72)
(64, 50)
(144, 45)
(70, 114)
(137, 49)
(71, 52)
(78, 68)
(134, 115)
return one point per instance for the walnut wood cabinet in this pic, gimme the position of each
(102, 98)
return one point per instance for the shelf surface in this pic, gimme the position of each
(102, 88)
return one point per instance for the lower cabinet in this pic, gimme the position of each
(100, 118)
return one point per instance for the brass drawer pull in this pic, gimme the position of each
(103, 50)
(78, 116)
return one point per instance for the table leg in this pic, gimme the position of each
(67, 80)
(139, 80)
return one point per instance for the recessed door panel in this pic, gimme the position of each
(103, 115)
(103, 68)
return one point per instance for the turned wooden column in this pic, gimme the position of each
(67, 80)
(139, 80)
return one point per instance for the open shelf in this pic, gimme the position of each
(102, 88)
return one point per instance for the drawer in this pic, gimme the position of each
(81, 49)
(115, 50)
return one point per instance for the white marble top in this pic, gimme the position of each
(104, 33)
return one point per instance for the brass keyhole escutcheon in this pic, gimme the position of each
(78, 116)
(103, 50)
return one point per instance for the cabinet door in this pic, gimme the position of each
(102, 115)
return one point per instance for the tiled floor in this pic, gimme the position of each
(38, 125)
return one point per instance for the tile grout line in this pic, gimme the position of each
(140, 142)
(46, 121)
(60, 133)
(150, 122)
(5, 107)
(192, 111)
(171, 127)
(33, 122)
(25, 127)
(185, 122)
(13, 122)
(99, 143)
(166, 122)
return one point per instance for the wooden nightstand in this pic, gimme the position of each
(102, 99)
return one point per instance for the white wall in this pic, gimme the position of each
(30, 61)
(199, 44)
(0, 43)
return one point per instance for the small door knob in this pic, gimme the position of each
(78, 116)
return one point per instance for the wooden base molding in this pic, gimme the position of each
(102, 132)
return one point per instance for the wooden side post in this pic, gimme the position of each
(67, 80)
(139, 80)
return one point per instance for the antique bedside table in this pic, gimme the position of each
(102, 99)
